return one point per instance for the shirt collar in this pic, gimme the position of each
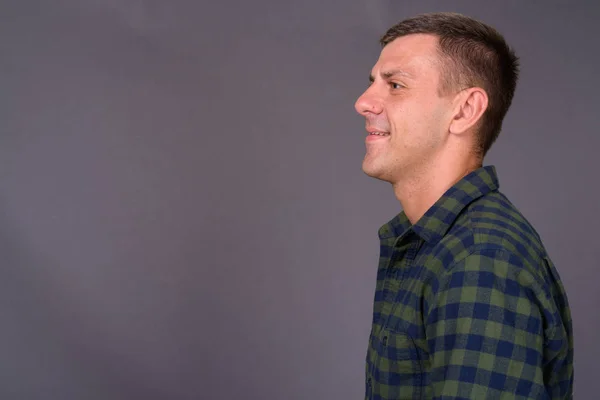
(438, 219)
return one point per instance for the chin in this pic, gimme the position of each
(374, 172)
(383, 171)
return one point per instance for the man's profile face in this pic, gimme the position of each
(404, 103)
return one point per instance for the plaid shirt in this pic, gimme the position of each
(468, 305)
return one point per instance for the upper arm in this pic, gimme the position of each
(484, 330)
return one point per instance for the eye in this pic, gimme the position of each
(396, 85)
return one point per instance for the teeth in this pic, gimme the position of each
(379, 133)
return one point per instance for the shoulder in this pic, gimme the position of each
(492, 226)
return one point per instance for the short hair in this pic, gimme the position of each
(472, 54)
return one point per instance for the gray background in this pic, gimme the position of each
(182, 210)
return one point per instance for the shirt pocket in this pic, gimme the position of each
(398, 372)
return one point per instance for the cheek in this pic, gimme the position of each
(408, 122)
(416, 124)
(429, 116)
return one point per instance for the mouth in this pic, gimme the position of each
(377, 135)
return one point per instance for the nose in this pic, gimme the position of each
(368, 102)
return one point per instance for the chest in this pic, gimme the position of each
(403, 277)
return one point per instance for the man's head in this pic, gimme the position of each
(443, 83)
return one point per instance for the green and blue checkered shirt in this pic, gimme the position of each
(468, 304)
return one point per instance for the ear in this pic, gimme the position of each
(470, 104)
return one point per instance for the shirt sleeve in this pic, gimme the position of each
(485, 322)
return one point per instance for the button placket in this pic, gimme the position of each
(407, 253)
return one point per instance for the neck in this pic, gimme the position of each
(419, 191)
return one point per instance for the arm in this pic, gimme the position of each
(485, 330)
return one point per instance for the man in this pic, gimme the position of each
(468, 305)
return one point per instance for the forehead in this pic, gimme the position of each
(415, 54)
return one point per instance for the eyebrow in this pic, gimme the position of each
(390, 74)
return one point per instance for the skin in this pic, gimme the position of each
(431, 134)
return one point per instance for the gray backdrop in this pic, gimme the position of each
(183, 213)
